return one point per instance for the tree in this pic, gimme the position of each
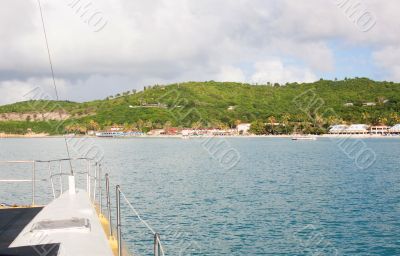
(318, 121)
(366, 117)
(93, 125)
(167, 125)
(140, 124)
(257, 127)
(149, 124)
(381, 100)
(128, 127)
(285, 121)
(197, 125)
(237, 122)
(271, 123)
(76, 128)
(394, 118)
(382, 120)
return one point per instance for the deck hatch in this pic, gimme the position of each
(78, 224)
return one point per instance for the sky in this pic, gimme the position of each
(103, 47)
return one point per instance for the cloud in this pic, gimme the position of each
(13, 91)
(162, 41)
(22, 90)
(275, 71)
(231, 74)
(388, 58)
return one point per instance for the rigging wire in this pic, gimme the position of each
(53, 77)
(142, 220)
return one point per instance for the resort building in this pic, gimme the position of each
(352, 129)
(172, 131)
(243, 128)
(116, 128)
(156, 132)
(357, 129)
(338, 129)
(369, 104)
(395, 129)
(379, 129)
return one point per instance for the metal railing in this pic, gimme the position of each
(158, 248)
(93, 173)
(33, 180)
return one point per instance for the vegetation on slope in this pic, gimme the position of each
(215, 104)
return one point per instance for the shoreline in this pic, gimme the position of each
(42, 136)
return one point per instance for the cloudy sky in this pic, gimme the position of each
(103, 47)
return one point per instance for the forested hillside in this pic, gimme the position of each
(216, 104)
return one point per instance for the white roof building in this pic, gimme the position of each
(395, 129)
(338, 129)
(379, 129)
(349, 129)
(243, 128)
(357, 129)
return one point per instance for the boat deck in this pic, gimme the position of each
(46, 249)
(13, 221)
(71, 221)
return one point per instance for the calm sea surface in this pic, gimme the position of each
(283, 197)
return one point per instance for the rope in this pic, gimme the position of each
(142, 220)
(53, 76)
(137, 214)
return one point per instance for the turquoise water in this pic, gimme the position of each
(282, 197)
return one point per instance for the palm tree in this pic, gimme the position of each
(319, 120)
(128, 127)
(285, 121)
(93, 125)
(366, 117)
(272, 121)
(333, 120)
(237, 122)
(382, 120)
(140, 124)
(167, 125)
(197, 125)
(149, 124)
(395, 118)
(381, 100)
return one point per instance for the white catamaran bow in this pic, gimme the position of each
(73, 223)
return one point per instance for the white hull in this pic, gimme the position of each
(74, 240)
(304, 138)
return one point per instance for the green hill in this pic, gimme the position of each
(215, 104)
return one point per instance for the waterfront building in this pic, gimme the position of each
(349, 129)
(156, 132)
(357, 129)
(379, 130)
(172, 131)
(243, 128)
(116, 128)
(395, 129)
(338, 129)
